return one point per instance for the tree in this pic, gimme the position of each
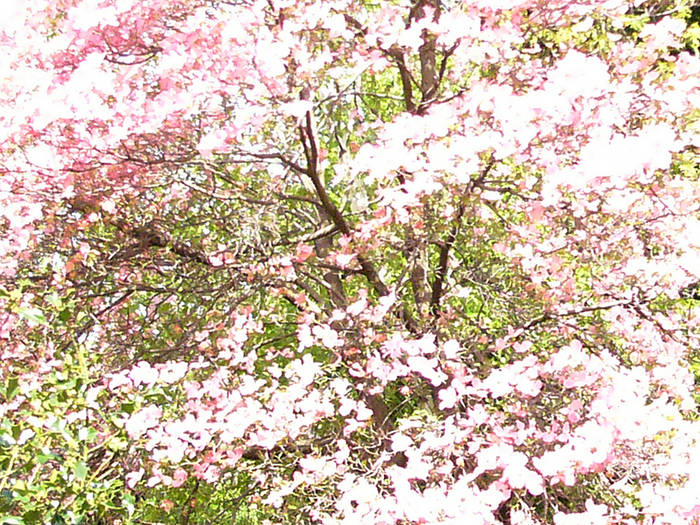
(349, 262)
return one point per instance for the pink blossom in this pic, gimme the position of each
(143, 373)
(303, 252)
(179, 477)
(173, 371)
(428, 368)
(329, 337)
(448, 398)
(139, 422)
(132, 478)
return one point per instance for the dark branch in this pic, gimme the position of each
(441, 273)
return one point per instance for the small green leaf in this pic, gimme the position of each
(11, 388)
(33, 516)
(81, 470)
(129, 502)
(65, 315)
(44, 458)
(33, 315)
(54, 300)
(116, 444)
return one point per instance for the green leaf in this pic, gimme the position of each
(54, 300)
(11, 388)
(116, 444)
(81, 470)
(33, 516)
(129, 503)
(11, 520)
(43, 458)
(33, 315)
(65, 315)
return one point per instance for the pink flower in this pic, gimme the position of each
(344, 259)
(173, 371)
(329, 337)
(304, 251)
(132, 478)
(304, 335)
(428, 368)
(519, 476)
(400, 442)
(119, 380)
(179, 477)
(144, 373)
(448, 398)
(665, 33)
(140, 421)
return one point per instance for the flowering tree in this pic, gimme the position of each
(275, 261)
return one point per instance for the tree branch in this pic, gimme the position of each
(406, 79)
(441, 273)
(311, 152)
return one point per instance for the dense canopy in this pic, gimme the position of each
(349, 262)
